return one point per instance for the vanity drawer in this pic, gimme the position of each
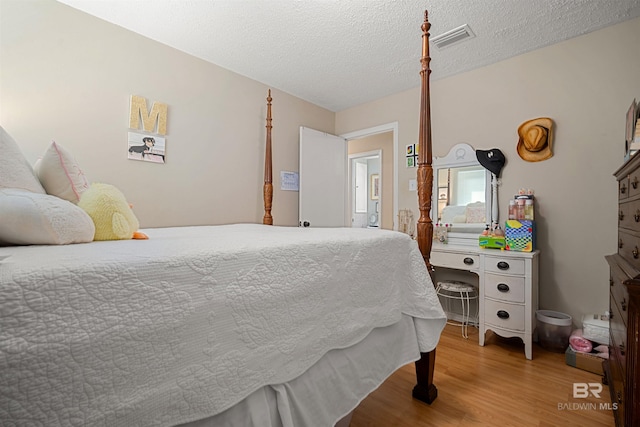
(455, 260)
(504, 265)
(506, 288)
(629, 247)
(504, 315)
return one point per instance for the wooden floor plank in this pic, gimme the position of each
(492, 385)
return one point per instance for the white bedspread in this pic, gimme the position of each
(192, 321)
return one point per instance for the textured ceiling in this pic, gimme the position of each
(341, 53)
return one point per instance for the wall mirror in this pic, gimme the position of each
(461, 194)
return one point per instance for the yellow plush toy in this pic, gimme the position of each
(110, 212)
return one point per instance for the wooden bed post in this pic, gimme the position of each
(425, 390)
(268, 175)
(425, 171)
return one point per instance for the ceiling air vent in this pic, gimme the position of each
(453, 36)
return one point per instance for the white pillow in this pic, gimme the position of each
(15, 171)
(40, 219)
(60, 174)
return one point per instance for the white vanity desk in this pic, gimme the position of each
(508, 287)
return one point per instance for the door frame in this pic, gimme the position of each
(351, 178)
(387, 127)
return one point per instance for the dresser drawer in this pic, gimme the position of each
(618, 348)
(504, 265)
(454, 260)
(629, 215)
(504, 315)
(629, 247)
(634, 183)
(623, 188)
(506, 288)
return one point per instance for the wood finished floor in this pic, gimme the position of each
(492, 385)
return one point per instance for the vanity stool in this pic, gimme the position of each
(458, 291)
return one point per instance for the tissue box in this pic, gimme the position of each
(595, 327)
(493, 242)
(520, 235)
(585, 361)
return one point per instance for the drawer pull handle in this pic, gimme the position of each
(503, 287)
(621, 349)
(621, 216)
(503, 265)
(634, 183)
(619, 396)
(620, 244)
(635, 252)
(610, 282)
(623, 187)
(623, 304)
(502, 314)
(637, 216)
(468, 261)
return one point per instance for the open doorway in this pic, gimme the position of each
(374, 147)
(365, 177)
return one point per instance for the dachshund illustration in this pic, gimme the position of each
(143, 149)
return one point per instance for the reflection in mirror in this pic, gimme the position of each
(458, 190)
(461, 194)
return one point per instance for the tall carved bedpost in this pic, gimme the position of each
(425, 390)
(268, 175)
(425, 171)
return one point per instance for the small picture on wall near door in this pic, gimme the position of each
(411, 161)
(410, 150)
(375, 186)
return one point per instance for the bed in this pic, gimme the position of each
(234, 325)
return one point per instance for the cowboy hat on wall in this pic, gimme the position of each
(535, 139)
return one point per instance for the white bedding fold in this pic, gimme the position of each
(192, 321)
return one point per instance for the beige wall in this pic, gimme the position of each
(586, 85)
(384, 142)
(68, 76)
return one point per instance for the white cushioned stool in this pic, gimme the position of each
(453, 290)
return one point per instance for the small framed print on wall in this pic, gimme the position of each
(375, 186)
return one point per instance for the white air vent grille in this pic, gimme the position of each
(453, 36)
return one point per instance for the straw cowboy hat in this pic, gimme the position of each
(536, 138)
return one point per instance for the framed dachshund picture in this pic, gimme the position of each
(146, 147)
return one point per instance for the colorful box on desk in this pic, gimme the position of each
(520, 235)
(493, 242)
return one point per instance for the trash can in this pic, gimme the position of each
(553, 329)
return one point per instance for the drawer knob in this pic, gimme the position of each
(635, 252)
(502, 314)
(503, 287)
(623, 304)
(619, 396)
(621, 216)
(621, 349)
(620, 244)
(623, 188)
(637, 215)
(634, 183)
(610, 282)
(468, 261)
(503, 265)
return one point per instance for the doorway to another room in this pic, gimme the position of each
(365, 183)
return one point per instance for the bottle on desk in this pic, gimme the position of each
(528, 209)
(520, 209)
(512, 209)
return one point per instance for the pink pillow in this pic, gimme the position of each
(60, 174)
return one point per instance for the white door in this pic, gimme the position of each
(323, 179)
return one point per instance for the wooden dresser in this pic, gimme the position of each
(623, 368)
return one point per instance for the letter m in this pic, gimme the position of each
(158, 115)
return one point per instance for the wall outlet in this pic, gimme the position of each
(413, 185)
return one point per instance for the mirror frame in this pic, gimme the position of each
(461, 155)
